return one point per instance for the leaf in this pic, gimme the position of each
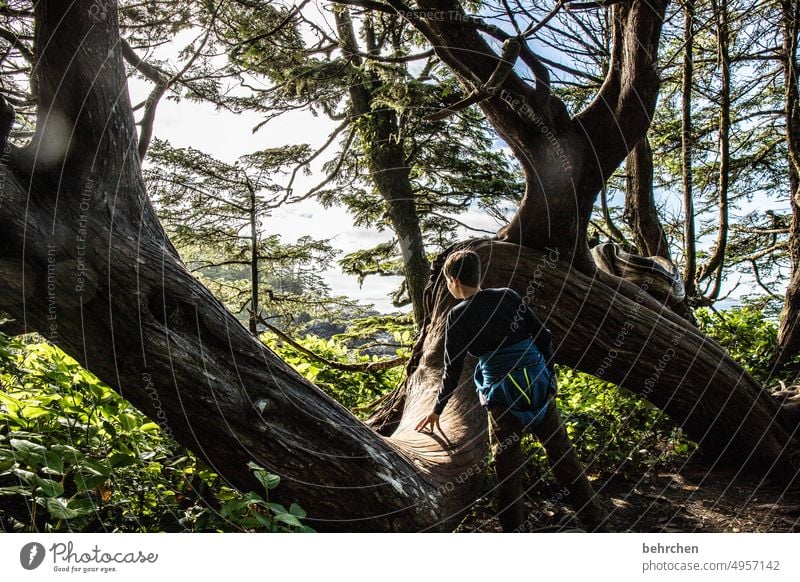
(296, 510)
(288, 519)
(263, 519)
(110, 429)
(7, 460)
(88, 482)
(128, 421)
(58, 508)
(24, 475)
(118, 460)
(49, 488)
(12, 403)
(95, 467)
(32, 453)
(32, 412)
(277, 508)
(268, 480)
(67, 451)
(54, 462)
(82, 507)
(15, 490)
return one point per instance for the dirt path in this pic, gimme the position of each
(688, 499)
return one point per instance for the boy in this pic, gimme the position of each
(514, 380)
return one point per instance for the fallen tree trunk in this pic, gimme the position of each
(607, 327)
(86, 263)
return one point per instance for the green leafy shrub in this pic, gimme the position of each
(613, 430)
(748, 334)
(354, 389)
(75, 456)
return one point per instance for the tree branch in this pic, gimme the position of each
(163, 84)
(15, 42)
(365, 367)
(333, 174)
(621, 112)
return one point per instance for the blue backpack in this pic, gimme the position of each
(523, 390)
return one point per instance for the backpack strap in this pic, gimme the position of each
(527, 380)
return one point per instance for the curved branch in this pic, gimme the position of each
(333, 174)
(365, 367)
(163, 84)
(621, 111)
(405, 59)
(337, 130)
(15, 42)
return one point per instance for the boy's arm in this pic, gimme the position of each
(455, 350)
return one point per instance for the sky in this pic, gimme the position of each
(227, 136)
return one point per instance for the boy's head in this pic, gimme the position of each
(464, 266)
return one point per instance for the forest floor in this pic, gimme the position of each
(684, 498)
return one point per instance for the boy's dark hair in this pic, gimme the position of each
(465, 266)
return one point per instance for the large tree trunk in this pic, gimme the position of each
(789, 332)
(566, 162)
(607, 327)
(85, 262)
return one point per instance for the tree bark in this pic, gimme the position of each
(86, 263)
(789, 331)
(641, 213)
(607, 327)
(715, 263)
(689, 245)
(387, 166)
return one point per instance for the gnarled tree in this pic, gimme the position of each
(85, 262)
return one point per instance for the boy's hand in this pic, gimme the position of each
(432, 419)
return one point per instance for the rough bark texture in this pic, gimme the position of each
(641, 213)
(673, 365)
(85, 262)
(789, 332)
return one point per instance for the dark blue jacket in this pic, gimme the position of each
(483, 323)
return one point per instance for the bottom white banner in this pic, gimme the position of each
(389, 557)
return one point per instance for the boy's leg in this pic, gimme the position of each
(505, 432)
(568, 468)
